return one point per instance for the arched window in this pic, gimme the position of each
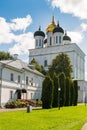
(50, 40)
(59, 39)
(39, 42)
(36, 42)
(45, 63)
(56, 39)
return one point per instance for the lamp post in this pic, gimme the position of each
(59, 89)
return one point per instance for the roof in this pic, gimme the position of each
(58, 29)
(20, 65)
(65, 37)
(39, 33)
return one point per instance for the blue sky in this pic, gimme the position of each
(19, 19)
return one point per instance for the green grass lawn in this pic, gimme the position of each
(67, 118)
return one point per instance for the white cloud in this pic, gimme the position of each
(84, 26)
(20, 23)
(76, 36)
(24, 42)
(5, 33)
(76, 7)
(6, 29)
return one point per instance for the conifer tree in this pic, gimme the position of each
(67, 102)
(75, 92)
(55, 91)
(47, 93)
(63, 89)
(72, 92)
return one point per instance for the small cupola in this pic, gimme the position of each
(66, 38)
(39, 33)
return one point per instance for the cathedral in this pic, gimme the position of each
(54, 42)
(57, 41)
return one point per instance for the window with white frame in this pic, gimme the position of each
(39, 42)
(59, 39)
(19, 79)
(36, 42)
(12, 77)
(56, 39)
(50, 41)
(45, 63)
(31, 81)
(26, 80)
(11, 94)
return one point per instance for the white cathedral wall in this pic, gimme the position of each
(82, 92)
(49, 53)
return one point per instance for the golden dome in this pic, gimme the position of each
(51, 26)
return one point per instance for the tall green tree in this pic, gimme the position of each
(38, 67)
(47, 92)
(72, 92)
(61, 64)
(63, 89)
(75, 92)
(67, 102)
(5, 56)
(55, 91)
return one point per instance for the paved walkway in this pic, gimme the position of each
(84, 127)
(17, 109)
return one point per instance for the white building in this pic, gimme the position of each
(19, 80)
(56, 42)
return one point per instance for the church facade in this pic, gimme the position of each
(56, 42)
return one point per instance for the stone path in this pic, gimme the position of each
(7, 110)
(17, 109)
(84, 127)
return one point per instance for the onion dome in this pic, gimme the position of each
(45, 41)
(58, 29)
(51, 26)
(66, 37)
(39, 33)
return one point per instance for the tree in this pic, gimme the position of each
(5, 56)
(55, 91)
(63, 89)
(72, 92)
(47, 92)
(61, 64)
(67, 102)
(38, 67)
(75, 92)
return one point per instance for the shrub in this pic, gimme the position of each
(15, 104)
(20, 103)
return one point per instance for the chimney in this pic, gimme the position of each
(15, 56)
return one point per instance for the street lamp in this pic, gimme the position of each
(59, 89)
